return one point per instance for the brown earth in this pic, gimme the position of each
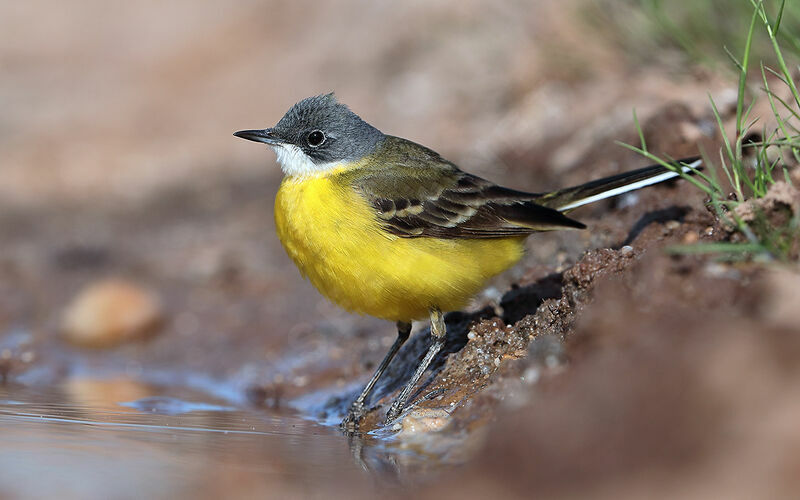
(599, 366)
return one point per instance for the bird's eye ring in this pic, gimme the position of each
(315, 138)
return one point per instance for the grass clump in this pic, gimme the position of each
(760, 206)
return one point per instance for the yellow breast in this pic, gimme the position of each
(334, 237)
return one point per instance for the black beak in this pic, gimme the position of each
(267, 136)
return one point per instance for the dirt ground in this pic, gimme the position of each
(600, 365)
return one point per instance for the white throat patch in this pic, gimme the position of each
(295, 162)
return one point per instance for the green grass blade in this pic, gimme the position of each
(743, 73)
(777, 26)
(717, 247)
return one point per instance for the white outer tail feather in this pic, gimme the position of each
(630, 187)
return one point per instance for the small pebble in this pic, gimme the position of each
(717, 270)
(531, 375)
(552, 361)
(626, 250)
(108, 313)
(423, 420)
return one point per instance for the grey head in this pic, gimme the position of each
(317, 134)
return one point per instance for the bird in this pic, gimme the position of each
(386, 227)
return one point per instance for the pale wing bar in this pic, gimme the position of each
(472, 208)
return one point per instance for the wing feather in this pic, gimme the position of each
(416, 193)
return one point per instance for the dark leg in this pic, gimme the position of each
(357, 410)
(438, 339)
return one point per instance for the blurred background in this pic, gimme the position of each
(112, 102)
(138, 257)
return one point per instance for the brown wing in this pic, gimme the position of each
(416, 193)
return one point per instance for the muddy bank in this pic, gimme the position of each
(688, 389)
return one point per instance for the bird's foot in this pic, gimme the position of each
(354, 416)
(394, 411)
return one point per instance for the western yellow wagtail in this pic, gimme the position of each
(386, 227)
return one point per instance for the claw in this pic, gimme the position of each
(394, 411)
(353, 418)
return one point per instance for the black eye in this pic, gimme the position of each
(315, 138)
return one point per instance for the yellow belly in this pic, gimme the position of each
(333, 237)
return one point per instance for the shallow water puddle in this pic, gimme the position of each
(121, 439)
(172, 406)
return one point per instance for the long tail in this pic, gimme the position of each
(568, 199)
